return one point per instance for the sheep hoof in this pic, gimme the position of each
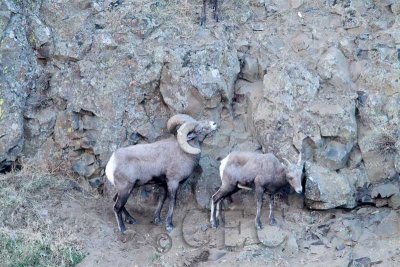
(214, 224)
(272, 221)
(157, 221)
(130, 220)
(122, 229)
(203, 22)
(169, 227)
(259, 226)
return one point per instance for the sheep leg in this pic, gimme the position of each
(203, 14)
(128, 218)
(214, 218)
(259, 198)
(172, 189)
(222, 192)
(120, 202)
(218, 214)
(272, 220)
(212, 215)
(216, 10)
(161, 200)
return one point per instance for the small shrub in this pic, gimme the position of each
(385, 144)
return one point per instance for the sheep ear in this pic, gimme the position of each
(299, 161)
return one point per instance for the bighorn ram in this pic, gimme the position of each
(239, 170)
(204, 11)
(169, 161)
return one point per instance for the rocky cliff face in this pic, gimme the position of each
(80, 79)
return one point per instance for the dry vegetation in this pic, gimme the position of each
(385, 143)
(30, 234)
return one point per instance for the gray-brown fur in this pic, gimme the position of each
(164, 162)
(263, 171)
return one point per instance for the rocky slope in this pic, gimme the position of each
(80, 79)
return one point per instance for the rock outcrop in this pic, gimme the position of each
(322, 77)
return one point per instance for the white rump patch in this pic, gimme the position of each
(223, 165)
(110, 168)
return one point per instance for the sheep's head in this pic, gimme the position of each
(294, 173)
(190, 129)
(203, 129)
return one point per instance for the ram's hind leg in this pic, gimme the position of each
(218, 213)
(128, 217)
(213, 219)
(119, 206)
(223, 191)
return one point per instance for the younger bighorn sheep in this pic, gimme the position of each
(239, 170)
(169, 161)
(204, 11)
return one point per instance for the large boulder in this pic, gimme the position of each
(199, 77)
(327, 189)
(334, 68)
(286, 90)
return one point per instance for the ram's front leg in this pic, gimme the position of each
(216, 11)
(119, 206)
(161, 200)
(203, 14)
(172, 189)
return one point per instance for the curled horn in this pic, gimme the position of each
(176, 120)
(287, 161)
(182, 137)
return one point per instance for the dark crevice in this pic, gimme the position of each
(10, 166)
